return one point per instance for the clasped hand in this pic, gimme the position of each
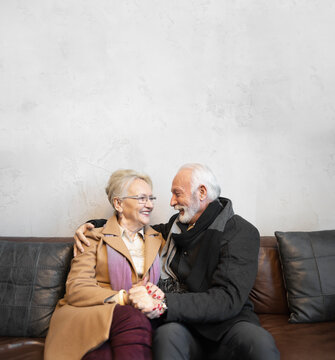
(147, 299)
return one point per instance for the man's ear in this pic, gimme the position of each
(117, 205)
(203, 192)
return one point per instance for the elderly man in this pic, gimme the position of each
(209, 265)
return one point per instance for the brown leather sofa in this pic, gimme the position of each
(310, 341)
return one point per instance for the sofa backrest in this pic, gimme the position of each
(33, 272)
(268, 293)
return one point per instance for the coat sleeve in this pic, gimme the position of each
(82, 288)
(231, 281)
(164, 229)
(97, 222)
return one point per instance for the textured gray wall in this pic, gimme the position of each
(87, 87)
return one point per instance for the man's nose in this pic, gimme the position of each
(173, 201)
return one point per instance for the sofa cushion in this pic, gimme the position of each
(308, 341)
(308, 263)
(21, 348)
(32, 279)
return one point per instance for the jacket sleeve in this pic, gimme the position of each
(97, 222)
(164, 229)
(230, 284)
(82, 288)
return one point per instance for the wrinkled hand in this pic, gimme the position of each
(80, 238)
(140, 299)
(155, 291)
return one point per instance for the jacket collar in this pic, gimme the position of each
(112, 227)
(152, 242)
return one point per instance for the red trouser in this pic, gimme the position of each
(129, 338)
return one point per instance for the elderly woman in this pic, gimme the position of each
(94, 319)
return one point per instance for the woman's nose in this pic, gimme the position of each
(149, 203)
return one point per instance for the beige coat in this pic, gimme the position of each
(82, 320)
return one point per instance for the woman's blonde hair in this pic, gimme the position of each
(120, 180)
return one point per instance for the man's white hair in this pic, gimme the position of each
(203, 175)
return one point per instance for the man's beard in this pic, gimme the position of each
(189, 211)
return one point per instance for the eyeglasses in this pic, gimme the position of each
(142, 199)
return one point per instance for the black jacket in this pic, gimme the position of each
(218, 284)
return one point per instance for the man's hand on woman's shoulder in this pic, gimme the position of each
(80, 238)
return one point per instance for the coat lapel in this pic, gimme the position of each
(112, 237)
(152, 242)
